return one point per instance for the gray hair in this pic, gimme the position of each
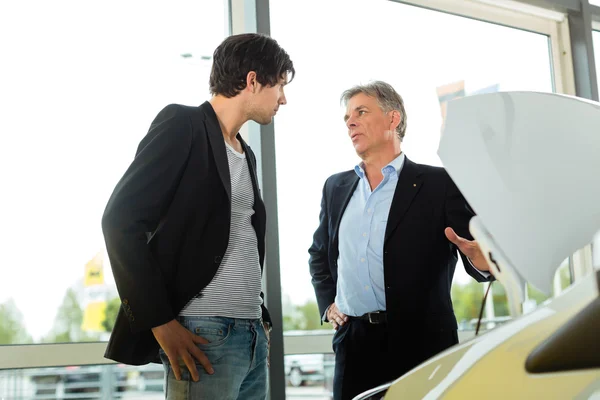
(387, 97)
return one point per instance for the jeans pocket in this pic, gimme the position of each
(170, 380)
(217, 333)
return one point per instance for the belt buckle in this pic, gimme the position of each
(371, 320)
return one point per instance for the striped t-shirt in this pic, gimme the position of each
(235, 289)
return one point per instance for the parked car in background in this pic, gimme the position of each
(70, 382)
(302, 369)
(149, 378)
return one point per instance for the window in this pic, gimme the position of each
(596, 44)
(116, 381)
(429, 57)
(81, 83)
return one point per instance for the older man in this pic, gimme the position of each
(385, 250)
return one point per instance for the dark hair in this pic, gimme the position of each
(386, 96)
(237, 55)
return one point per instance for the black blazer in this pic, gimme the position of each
(419, 261)
(166, 225)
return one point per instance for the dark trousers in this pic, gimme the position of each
(365, 357)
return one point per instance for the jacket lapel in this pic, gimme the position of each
(341, 197)
(407, 188)
(215, 136)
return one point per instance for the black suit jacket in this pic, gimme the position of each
(166, 225)
(419, 261)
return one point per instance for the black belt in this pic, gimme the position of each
(377, 317)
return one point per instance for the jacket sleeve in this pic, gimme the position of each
(322, 280)
(133, 213)
(458, 214)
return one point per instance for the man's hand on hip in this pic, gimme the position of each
(179, 343)
(336, 317)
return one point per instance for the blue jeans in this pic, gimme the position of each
(238, 352)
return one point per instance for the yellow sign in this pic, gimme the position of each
(94, 304)
(94, 273)
(93, 316)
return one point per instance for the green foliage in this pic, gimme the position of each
(112, 309)
(67, 323)
(12, 328)
(304, 317)
(466, 300)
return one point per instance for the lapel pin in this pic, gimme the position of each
(414, 184)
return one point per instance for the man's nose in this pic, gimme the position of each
(282, 100)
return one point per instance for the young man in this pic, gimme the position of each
(384, 253)
(185, 229)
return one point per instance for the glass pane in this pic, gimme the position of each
(81, 82)
(596, 251)
(596, 44)
(309, 376)
(115, 381)
(429, 57)
(467, 298)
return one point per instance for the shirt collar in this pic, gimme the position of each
(395, 165)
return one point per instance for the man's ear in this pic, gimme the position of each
(395, 119)
(251, 82)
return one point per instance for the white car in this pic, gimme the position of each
(301, 369)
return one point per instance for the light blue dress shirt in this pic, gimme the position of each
(360, 284)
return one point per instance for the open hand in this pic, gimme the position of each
(469, 248)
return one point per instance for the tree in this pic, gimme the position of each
(304, 317)
(12, 328)
(466, 300)
(112, 309)
(565, 276)
(67, 323)
(309, 316)
(500, 300)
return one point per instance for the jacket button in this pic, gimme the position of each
(217, 259)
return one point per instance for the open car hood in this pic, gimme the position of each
(529, 165)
